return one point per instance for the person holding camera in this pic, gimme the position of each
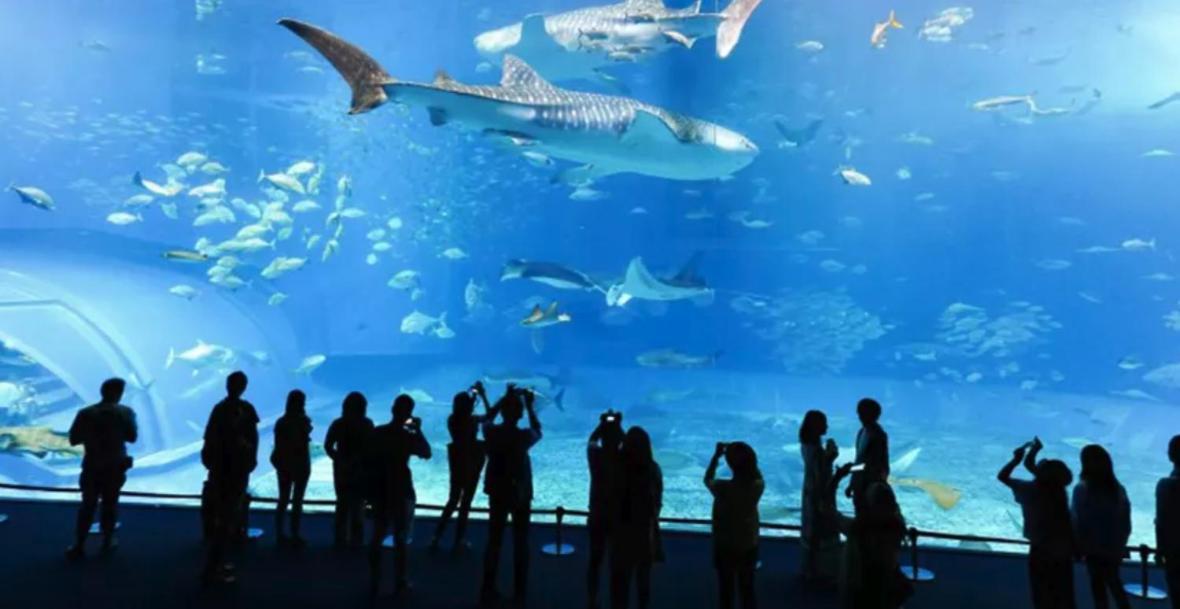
(735, 521)
(1047, 526)
(465, 458)
(508, 484)
(103, 430)
(603, 453)
(392, 488)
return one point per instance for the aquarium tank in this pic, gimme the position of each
(712, 216)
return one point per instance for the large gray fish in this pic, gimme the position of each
(608, 134)
(579, 43)
(548, 273)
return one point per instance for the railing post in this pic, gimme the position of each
(558, 547)
(912, 571)
(1143, 589)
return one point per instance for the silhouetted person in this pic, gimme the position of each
(345, 446)
(103, 429)
(230, 453)
(635, 540)
(1045, 507)
(1102, 525)
(872, 450)
(392, 493)
(819, 538)
(465, 458)
(1167, 523)
(735, 522)
(871, 574)
(508, 484)
(291, 459)
(603, 453)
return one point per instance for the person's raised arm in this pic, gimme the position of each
(534, 422)
(419, 446)
(482, 394)
(1005, 474)
(1030, 459)
(711, 471)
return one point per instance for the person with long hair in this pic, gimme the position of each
(465, 459)
(635, 542)
(291, 459)
(1102, 525)
(1045, 506)
(735, 522)
(819, 538)
(345, 446)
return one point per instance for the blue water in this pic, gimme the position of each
(958, 296)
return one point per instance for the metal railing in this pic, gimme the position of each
(913, 534)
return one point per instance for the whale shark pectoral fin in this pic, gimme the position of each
(438, 116)
(680, 39)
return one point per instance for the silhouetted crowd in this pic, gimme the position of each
(372, 475)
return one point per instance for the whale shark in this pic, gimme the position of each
(578, 44)
(605, 134)
(639, 283)
(548, 273)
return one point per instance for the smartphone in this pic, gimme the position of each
(610, 418)
(859, 467)
(410, 422)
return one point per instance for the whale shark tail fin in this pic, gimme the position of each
(364, 75)
(734, 19)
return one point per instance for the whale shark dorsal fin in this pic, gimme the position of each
(533, 32)
(441, 78)
(518, 74)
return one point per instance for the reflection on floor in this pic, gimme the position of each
(158, 561)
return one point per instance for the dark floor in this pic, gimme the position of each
(157, 563)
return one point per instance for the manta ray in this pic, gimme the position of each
(578, 44)
(606, 134)
(639, 283)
